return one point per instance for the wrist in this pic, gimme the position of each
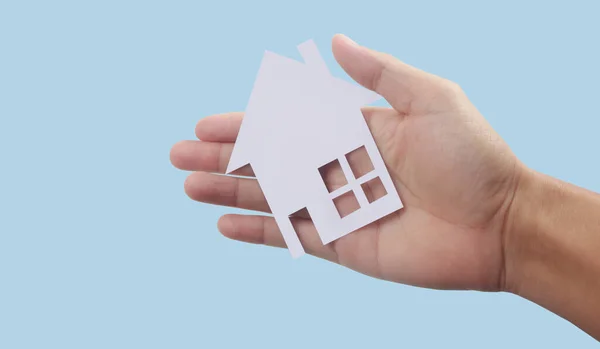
(523, 229)
(551, 241)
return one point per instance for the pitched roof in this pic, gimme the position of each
(277, 67)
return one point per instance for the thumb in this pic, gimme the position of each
(399, 83)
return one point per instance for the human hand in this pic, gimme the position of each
(454, 174)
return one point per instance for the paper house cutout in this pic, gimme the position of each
(298, 119)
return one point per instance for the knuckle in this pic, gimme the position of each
(450, 92)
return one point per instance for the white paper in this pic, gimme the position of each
(299, 118)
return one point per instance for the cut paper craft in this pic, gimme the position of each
(300, 118)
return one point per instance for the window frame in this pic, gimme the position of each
(353, 184)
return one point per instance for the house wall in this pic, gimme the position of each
(305, 119)
(299, 185)
(325, 215)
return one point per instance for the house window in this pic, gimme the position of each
(352, 182)
(374, 189)
(333, 175)
(346, 203)
(360, 162)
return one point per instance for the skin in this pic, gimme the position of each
(465, 193)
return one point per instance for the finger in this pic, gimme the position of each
(205, 156)
(399, 83)
(264, 230)
(225, 127)
(219, 128)
(220, 190)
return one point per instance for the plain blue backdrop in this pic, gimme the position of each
(101, 248)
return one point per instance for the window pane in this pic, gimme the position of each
(346, 203)
(333, 175)
(359, 161)
(374, 189)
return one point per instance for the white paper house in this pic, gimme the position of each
(298, 119)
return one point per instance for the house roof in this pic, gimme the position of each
(276, 69)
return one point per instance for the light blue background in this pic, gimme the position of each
(100, 247)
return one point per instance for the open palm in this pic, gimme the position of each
(454, 174)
